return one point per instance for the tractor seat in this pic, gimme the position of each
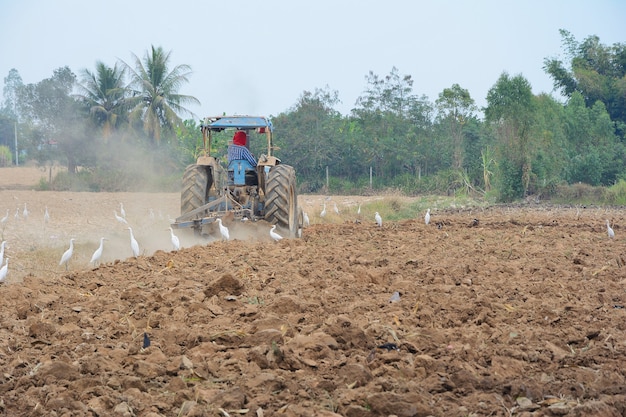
(241, 172)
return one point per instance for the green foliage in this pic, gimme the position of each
(509, 183)
(616, 194)
(595, 71)
(155, 99)
(6, 158)
(526, 144)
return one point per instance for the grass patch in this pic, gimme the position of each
(395, 208)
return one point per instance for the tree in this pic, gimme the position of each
(595, 154)
(8, 112)
(596, 71)
(104, 93)
(154, 97)
(12, 84)
(309, 137)
(455, 107)
(58, 120)
(393, 94)
(510, 112)
(392, 120)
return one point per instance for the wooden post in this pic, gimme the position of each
(370, 177)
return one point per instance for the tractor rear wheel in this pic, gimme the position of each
(196, 183)
(281, 201)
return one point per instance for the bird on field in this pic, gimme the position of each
(122, 211)
(17, 213)
(379, 220)
(95, 258)
(4, 242)
(174, 239)
(336, 209)
(146, 341)
(223, 230)
(65, 259)
(46, 216)
(5, 218)
(25, 212)
(323, 213)
(427, 217)
(152, 216)
(4, 270)
(119, 219)
(609, 229)
(133, 243)
(275, 235)
(358, 211)
(305, 218)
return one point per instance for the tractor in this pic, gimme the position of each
(238, 189)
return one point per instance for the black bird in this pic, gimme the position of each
(146, 341)
(389, 346)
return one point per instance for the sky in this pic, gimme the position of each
(258, 57)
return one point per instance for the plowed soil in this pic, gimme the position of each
(484, 312)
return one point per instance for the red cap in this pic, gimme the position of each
(239, 138)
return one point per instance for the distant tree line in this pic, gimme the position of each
(525, 144)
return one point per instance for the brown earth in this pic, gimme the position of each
(519, 312)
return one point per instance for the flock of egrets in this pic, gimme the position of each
(175, 241)
(97, 254)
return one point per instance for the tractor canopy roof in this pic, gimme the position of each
(220, 123)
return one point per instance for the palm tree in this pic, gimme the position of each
(154, 92)
(104, 92)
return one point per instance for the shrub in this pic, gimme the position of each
(616, 194)
(6, 158)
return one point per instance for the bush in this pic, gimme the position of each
(101, 180)
(616, 194)
(6, 158)
(579, 193)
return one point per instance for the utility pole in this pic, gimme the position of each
(17, 162)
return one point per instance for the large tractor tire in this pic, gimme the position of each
(281, 200)
(196, 184)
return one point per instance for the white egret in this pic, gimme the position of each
(65, 259)
(610, 230)
(3, 271)
(122, 211)
(427, 217)
(95, 258)
(305, 218)
(4, 242)
(133, 243)
(336, 209)
(275, 235)
(152, 216)
(175, 240)
(359, 209)
(17, 213)
(223, 230)
(46, 216)
(119, 219)
(25, 212)
(5, 218)
(323, 213)
(379, 220)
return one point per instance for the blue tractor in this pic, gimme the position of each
(242, 190)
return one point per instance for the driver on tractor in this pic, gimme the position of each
(239, 149)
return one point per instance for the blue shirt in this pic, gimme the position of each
(240, 152)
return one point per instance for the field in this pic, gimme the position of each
(494, 311)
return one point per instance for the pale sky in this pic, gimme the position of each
(257, 57)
